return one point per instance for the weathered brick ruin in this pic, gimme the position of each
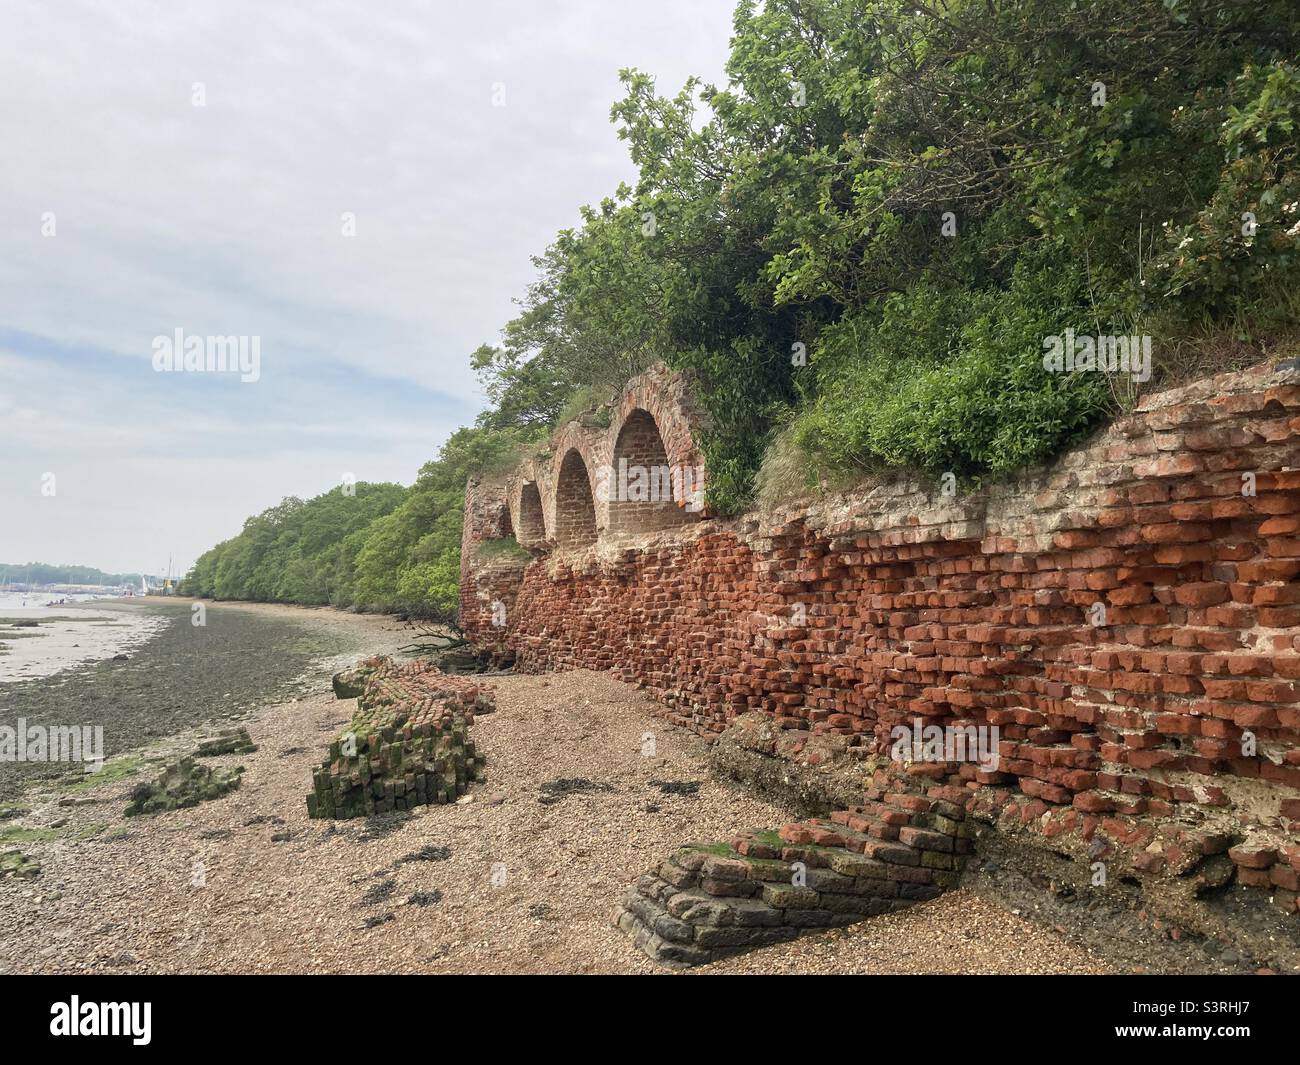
(1127, 618)
(407, 743)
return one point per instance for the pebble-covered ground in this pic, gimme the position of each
(585, 790)
(958, 933)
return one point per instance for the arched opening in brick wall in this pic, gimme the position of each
(641, 482)
(532, 523)
(575, 505)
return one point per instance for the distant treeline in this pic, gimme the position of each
(44, 573)
(373, 546)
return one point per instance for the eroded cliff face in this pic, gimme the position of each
(1117, 634)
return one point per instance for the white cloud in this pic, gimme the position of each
(225, 219)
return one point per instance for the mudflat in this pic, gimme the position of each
(180, 676)
(40, 641)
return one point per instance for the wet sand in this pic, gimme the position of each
(182, 676)
(40, 641)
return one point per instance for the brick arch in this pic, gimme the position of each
(659, 395)
(593, 447)
(575, 502)
(530, 517)
(662, 395)
(647, 492)
(536, 472)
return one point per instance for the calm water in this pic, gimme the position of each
(34, 600)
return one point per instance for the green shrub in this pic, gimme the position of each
(952, 380)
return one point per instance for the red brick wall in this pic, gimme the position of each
(856, 613)
(575, 503)
(484, 583)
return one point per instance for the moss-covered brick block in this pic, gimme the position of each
(787, 897)
(817, 918)
(16, 864)
(728, 888)
(768, 904)
(670, 928)
(227, 741)
(754, 913)
(700, 908)
(777, 872)
(182, 784)
(678, 877)
(407, 744)
(855, 865)
(827, 880)
(730, 869)
(727, 937)
(879, 889)
(950, 827)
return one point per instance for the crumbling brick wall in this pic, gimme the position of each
(1128, 617)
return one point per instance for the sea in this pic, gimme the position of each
(40, 600)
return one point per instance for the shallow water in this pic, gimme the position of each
(36, 600)
(69, 635)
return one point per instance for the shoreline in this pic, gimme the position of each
(247, 883)
(181, 677)
(38, 642)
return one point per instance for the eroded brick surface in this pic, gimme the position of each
(1128, 618)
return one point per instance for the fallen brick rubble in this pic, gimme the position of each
(182, 784)
(709, 902)
(1127, 619)
(407, 745)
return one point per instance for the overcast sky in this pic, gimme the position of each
(128, 212)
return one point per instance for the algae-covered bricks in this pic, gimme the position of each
(225, 741)
(407, 745)
(711, 901)
(15, 863)
(183, 784)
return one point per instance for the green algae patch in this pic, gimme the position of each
(18, 865)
